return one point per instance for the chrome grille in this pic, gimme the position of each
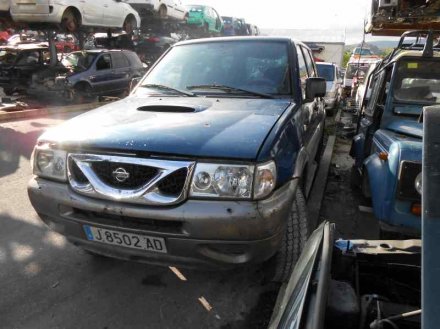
(139, 175)
(128, 179)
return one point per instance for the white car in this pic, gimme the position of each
(4, 5)
(73, 14)
(330, 72)
(163, 8)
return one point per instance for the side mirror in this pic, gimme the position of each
(134, 82)
(315, 87)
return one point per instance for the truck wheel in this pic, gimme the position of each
(294, 238)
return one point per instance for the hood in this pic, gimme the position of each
(407, 127)
(196, 127)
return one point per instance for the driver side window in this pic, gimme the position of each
(104, 63)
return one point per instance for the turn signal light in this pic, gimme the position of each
(416, 209)
(383, 156)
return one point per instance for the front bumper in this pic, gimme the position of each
(201, 233)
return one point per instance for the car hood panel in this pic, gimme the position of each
(219, 128)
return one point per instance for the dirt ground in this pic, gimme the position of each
(341, 202)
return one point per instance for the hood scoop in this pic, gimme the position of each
(167, 109)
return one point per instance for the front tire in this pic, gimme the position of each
(70, 21)
(295, 236)
(130, 24)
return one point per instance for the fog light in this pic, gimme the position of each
(202, 180)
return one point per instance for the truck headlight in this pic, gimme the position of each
(418, 183)
(222, 181)
(233, 181)
(49, 163)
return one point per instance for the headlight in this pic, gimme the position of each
(222, 181)
(265, 180)
(418, 183)
(49, 163)
(233, 181)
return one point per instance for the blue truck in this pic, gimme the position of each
(388, 147)
(207, 163)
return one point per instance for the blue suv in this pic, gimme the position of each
(388, 147)
(207, 163)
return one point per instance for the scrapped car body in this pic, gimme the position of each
(357, 66)
(87, 74)
(206, 18)
(392, 17)
(173, 9)
(330, 72)
(388, 147)
(352, 284)
(206, 163)
(18, 64)
(73, 14)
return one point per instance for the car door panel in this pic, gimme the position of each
(91, 12)
(101, 78)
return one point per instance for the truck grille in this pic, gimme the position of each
(139, 175)
(127, 179)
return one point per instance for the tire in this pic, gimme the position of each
(163, 11)
(8, 91)
(82, 93)
(295, 237)
(70, 21)
(129, 25)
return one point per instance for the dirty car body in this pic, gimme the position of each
(352, 284)
(187, 170)
(89, 73)
(388, 146)
(18, 64)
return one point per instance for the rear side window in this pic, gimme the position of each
(309, 63)
(104, 62)
(133, 59)
(119, 61)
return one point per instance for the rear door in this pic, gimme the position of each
(92, 12)
(120, 71)
(113, 13)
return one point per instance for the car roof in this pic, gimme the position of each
(248, 38)
(413, 53)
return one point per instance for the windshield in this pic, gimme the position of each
(257, 66)
(326, 71)
(356, 69)
(8, 56)
(417, 82)
(79, 61)
(363, 52)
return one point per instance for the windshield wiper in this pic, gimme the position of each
(230, 89)
(163, 87)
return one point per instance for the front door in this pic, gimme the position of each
(101, 78)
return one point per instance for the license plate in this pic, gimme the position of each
(123, 239)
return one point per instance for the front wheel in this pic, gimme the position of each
(295, 236)
(70, 21)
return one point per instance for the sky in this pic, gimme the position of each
(330, 15)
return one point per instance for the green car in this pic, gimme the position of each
(206, 18)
